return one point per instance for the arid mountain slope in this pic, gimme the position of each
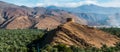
(79, 35)
(22, 17)
(55, 18)
(21, 22)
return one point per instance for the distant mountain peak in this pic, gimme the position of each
(1, 1)
(89, 5)
(52, 6)
(92, 5)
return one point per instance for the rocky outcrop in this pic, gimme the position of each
(75, 34)
(1, 18)
(21, 22)
(47, 23)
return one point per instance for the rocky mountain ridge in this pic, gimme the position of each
(72, 33)
(22, 17)
(95, 15)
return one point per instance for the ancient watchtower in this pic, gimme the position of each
(70, 20)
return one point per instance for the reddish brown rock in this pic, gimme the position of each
(75, 34)
(21, 22)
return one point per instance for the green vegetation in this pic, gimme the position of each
(64, 48)
(113, 31)
(17, 40)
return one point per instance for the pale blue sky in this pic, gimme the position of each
(64, 3)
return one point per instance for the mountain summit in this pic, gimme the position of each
(72, 33)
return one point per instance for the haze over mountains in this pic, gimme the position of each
(89, 8)
(22, 17)
(95, 15)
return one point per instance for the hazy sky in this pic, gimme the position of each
(64, 3)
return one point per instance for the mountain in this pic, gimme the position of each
(71, 33)
(90, 9)
(13, 16)
(4, 4)
(22, 17)
(94, 15)
(96, 9)
(95, 19)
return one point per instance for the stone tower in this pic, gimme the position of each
(70, 20)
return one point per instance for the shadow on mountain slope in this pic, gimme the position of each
(75, 34)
